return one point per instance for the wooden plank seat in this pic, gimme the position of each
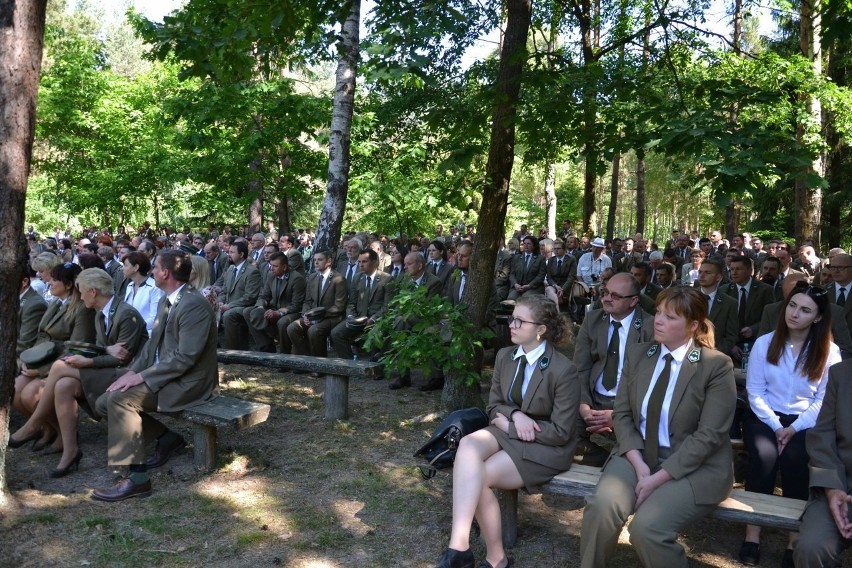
(741, 507)
(336, 371)
(221, 412)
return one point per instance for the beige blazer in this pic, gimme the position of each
(30, 311)
(700, 417)
(830, 440)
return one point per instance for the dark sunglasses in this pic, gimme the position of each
(803, 287)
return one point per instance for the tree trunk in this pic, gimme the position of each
(838, 160)
(21, 36)
(334, 205)
(590, 110)
(495, 193)
(641, 206)
(808, 193)
(734, 208)
(285, 226)
(550, 198)
(255, 188)
(613, 195)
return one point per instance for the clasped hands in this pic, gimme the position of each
(838, 504)
(525, 427)
(647, 482)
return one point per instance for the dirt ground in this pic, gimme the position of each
(296, 491)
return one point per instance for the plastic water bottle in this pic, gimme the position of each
(746, 351)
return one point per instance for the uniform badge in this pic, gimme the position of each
(653, 349)
(637, 324)
(544, 363)
(604, 315)
(694, 356)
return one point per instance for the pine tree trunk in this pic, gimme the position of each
(255, 188)
(495, 193)
(641, 206)
(334, 205)
(613, 195)
(21, 36)
(550, 198)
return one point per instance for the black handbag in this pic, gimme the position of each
(440, 450)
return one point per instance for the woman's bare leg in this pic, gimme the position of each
(43, 412)
(500, 473)
(468, 483)
(68, 390)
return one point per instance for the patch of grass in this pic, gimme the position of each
(95, 522)
(249, 537)
(156, 524)
(41, 517)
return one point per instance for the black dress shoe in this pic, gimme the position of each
(787, 559)
(750, 553)
(456, 559)
(63, 471)
(433, 384)
(163, 453)
(39, 446)
(124, 489)
(509, 563)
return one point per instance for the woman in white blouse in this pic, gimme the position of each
(142, 292)
(787, 375)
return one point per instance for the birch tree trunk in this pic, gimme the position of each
(21, 36)
(334, 205)
(495, 194)
(550, 198)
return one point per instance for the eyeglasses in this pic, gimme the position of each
(604, 293)
(518, 322)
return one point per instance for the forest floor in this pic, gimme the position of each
(296, 491)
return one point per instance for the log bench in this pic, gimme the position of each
(741, 507)
(336, 372)
(221, 412)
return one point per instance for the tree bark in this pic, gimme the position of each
(255, 188)
(21, 37)
(641, 204)
(550, 198)
(808, 194)
(495, 193)
(337, 187)
(613, 195)
(590, 109)
(838, 162)
(734, 208)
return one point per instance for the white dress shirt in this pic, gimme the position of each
(622, 348)
(677, 362)
(530, 359)
(783, 388)
(144, 298)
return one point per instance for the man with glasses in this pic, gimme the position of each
(599, 356)
(256, 252)
(838, 292)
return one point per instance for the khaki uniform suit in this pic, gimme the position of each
(564, 275)
(126, 325)
(759, 296)
(241, 289)
(372, 304)
(291, 296)
(626, 261)
(311, 340)
(532, 275)
(699, 459)
(343, 267)
(723, 314)
(839, 330)
(501, 273)
(295, 261)
(552, 399)
(179, 368)
(30, 311)
(830, 450)
(57, 326)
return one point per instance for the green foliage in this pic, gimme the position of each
(426, 331)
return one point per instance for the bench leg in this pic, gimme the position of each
(336, 397)
(204, 455)
(508, 516)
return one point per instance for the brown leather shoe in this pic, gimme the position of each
(164, 453)
(124, 489)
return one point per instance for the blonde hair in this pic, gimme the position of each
(691, 304)
(45, 262)
(201, 267)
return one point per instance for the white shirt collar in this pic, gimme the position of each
(173, 296)
(107, 306)
(533, 355)
(679, 353)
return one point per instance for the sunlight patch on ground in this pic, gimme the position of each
(347, 512)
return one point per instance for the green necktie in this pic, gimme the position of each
(654, 410)
(516, 391)
(610, 373)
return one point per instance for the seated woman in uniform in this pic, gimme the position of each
(672, 460)
(76, 378)
(533, 405)
(66, 319)
(787, 375)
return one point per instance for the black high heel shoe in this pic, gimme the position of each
(75, 463)
(13, 443)
(39, 446)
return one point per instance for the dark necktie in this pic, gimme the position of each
(654, 410)
(349, 273)
(395, 271)
(558, 264)
(102, 317)
(841, 298)
(435, 268)
(516, 391)
(369, 285)
(277, 290)
(610, 373)
(741, 311)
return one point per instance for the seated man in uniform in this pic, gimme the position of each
(278, 305)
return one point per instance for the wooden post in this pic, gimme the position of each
(508, 516)
(204, 454)
(336, 397)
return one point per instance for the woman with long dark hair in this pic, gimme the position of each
(787, 376)
(533, 405)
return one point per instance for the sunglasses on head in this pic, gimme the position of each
(802, 287)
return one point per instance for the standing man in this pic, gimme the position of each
(327, 289)
(239, 291)
(599, 356)
(277, 307)
(176, 370)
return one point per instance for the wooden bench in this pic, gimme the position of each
(221, 412)
(336, 371)
(741, 507)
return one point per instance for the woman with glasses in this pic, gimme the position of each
(787, 376)
(672, 461)
(533, 405)
(66, 319)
